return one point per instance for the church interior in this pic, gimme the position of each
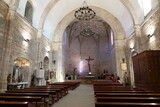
(54, 50)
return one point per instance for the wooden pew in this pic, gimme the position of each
(126, 104)
(13, 104)
(98, 83)
(63, 88)
(113, 88)
(58, 91)
(53, 94)
(21, 98)
(127, 95)
(124, 91)
(72, 84)
(129, 99)
(44, 96)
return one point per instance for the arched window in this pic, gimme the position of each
(112, 38)
(29, 11)
(145, 5)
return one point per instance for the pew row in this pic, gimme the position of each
(126, 104)
(13, 104)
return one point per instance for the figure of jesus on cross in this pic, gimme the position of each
(89, 59)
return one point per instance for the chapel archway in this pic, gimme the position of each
(21, 70)
(88, 38)
(116, 27)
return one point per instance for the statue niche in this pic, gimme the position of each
(20, 71)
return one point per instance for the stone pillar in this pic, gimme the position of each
(6, 54)
(39, 35)
(138, 38)
(119, 55)
(57, 48)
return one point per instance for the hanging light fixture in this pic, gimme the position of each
(87, 32)
(84, 12)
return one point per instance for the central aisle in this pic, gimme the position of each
(82, 96)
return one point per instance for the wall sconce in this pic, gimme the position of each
(133, 51)
(54, 61)
(27, 40)
(149, 35)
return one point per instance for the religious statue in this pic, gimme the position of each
(9, 78)
(15, 73)
(40, 65)
(74, 74)
(33, 80)
(126, 79)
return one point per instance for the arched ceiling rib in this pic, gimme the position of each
(112, 6)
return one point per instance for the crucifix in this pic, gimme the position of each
(89, 59)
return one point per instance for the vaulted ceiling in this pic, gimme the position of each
(49, 13)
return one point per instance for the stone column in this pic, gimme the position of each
(57, 48)
(39, 35)
(138, 38)
(6, 54)
(119, 55)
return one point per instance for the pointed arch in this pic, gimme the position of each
(29, 11)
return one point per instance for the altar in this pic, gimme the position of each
(89, 79)
(22, 85)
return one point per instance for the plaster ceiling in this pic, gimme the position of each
(49, 13)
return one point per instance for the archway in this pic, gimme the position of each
(116, 27)
(84, 39)
(21, 70)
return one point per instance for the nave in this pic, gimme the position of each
(82, 96)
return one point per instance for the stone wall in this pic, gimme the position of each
(3, 25)
(17, 47)
(151, 26)
(80, 50)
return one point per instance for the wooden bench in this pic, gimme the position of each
(129, 99)
(53, 94)
(124, 91)
(21, 98)
(44, 96)
(13, 104)
(113, 88)
(98, 83)
(127, 95)
(126, 104)
(58, 91)
(72, 84)
(63, 88)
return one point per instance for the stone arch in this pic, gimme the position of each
(21, 70)
(29, 11)
(119, 36)
(43, 17)
(14, 3)
(131, 10)
(52, 3)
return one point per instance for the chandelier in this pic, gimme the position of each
(87, 32)
(84, 12)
